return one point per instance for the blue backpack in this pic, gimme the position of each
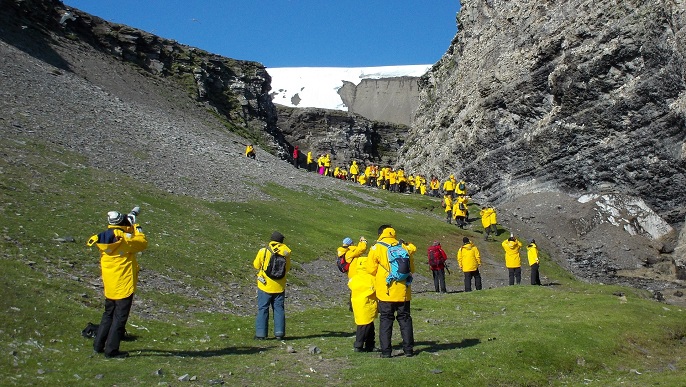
(399, 262)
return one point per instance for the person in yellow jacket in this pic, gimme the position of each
(512, 260)
(487, 217)
(448, 207)
(271, 292)
(449, 186)
(118, 246)
(354, 170)
(310, 162)
(434, 185)
(351, 251)
(364, 304)
(362, 179)
(461, 188)
(327, 165)
(469, 259)
(460, 211)
(394, 297)
(250, 151)
(532, 255)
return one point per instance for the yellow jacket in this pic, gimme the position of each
(456, 207)
(118, 259)
(449, 185)
(249, 149)
(354, 169)
(262, 261)
(362, 179)
(448, 202)
(363, 295)
(512, 259)
(486, 216)
(434, 184)
(377, 265)
(309, 157)
(494, 219)
(532, 254)
(352, 252)
(461, 191)
(468, 257)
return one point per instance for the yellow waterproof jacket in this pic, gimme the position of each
(362, 179)
(327, 160)
(262, 261)
(377, 265)
(362, 293)
(486, 217)
(457, 211)
(494, 219)
(354, 169)
(249, 149)
(352, 252)
(309, 157)
(447, 203)
(449, 185)
(512, 259)
(434, 184)
(468, 257)
(532, 253)
(118, 260)
(461, 191)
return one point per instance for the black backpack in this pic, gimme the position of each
(276, 268)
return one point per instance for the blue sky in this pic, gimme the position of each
(296, 33)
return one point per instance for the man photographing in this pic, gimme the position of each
(118, 246)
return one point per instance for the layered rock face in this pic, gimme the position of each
(386, 99)
(576, 96)
(345, 136)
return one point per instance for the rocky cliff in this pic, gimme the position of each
(573, 97)
(236, 90)
(386, 99)
(345, 136)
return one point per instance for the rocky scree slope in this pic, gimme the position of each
(572, 97)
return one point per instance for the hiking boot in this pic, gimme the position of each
(359, 349)
(117, 355)
(409, 353)
(259, 338)
(385, 355)
(279, 337)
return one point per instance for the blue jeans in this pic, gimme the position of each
(264, 302)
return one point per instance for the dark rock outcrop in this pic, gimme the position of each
(578, 96)
(345, 136)
(385, 99)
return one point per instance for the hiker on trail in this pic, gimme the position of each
(461, 188)
(118, 246)
(392, 284)
(310, 162)
(460, 211)
(327, 165)
(449, 186)
(447, 204)
(532, 255)
(296, 155)
(434, 185)
(437, 260)
(320, 164)
(469, 259)
(354, 170)
(487, 217)
(512, 260)
(272, 263)
(250, 151)
(364, 304)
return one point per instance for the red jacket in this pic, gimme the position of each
(440, 254)
(296, 153)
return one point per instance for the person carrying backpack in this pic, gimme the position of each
(390, 262)
(273, 263)
(469, 259)
(437, 260)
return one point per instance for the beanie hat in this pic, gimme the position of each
(115, 217)
(436, 243)
(277, 237)
(347, 242)
(465, 240)
(532, 241)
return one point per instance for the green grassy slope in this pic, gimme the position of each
(569, 333)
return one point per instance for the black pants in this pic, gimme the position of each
(535, 277)
(112, 325)
(387, 313)
(439, 280)
(515, 274)
(364, 337)
(468, 275)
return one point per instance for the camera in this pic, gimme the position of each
(133, 214)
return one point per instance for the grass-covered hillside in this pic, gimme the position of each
(192, 321)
